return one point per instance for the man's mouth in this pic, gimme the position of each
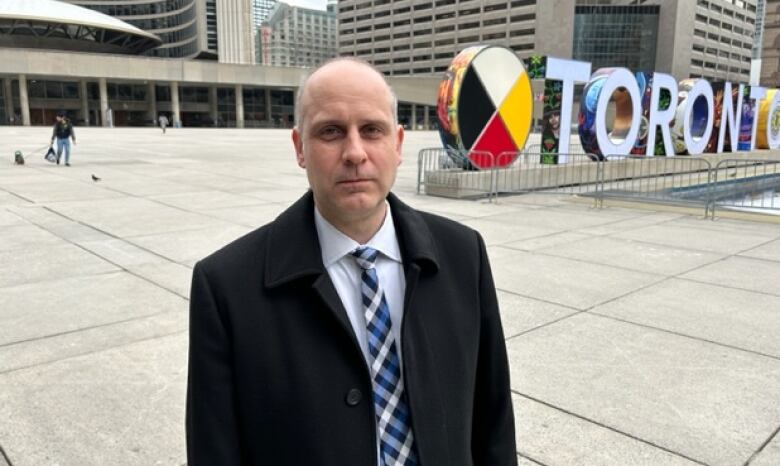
(354, 181)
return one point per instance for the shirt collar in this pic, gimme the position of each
(335, 244)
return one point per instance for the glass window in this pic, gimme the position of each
(617, 35)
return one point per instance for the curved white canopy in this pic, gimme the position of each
(54, 11)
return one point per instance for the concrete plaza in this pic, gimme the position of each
(635, 336)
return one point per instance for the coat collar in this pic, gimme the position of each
(293, 249)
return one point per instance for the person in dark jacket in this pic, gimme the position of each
(353, 330)
(62, 133)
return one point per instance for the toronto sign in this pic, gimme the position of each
(485, 110)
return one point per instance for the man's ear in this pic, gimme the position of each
(297, 139)
(399, 141)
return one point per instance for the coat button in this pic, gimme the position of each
(353, 397)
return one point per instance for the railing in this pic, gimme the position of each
(736, 184)
(677, 180)
(750, 185)
(447, 172)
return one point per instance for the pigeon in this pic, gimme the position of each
(95, 178)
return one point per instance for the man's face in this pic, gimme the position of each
(348, 142)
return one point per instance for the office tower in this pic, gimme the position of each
(710, 38)
(235, 26)
(260, 10)
(296, 36)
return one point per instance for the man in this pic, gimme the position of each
(352, 330)
(63, 132)
(163, 122)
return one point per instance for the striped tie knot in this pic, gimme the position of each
(365, 257)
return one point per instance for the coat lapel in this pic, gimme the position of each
(294, 254)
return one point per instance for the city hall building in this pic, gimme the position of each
(100, 70)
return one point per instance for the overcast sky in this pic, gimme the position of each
(318, 4)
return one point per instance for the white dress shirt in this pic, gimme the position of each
(346, 275)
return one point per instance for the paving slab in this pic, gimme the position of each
(634, 255)
(204, 200)
(175, 278)
(122, 252)
(57, 189)
(743, 227)
(28, 265)
(252, 216)
(653, 218)
(181, 246)
(770, 455)
(37, 310)
(520, 462)
(7, 199)
(697, 238)
(741, 272)
(140, 187)
(38, 351)
(284, 196)
(520, 314)
(706, 402)
(120, 406)
(496, 232)
(553, 437)
(55, 223)
(134, 216)
(704, 311)
(210, 181)
(473, 209)
(768, 251)
(564, 219)
(547, 241)
(25, 236)
(563, 281)
(8, 218)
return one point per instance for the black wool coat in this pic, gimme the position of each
(276, 376)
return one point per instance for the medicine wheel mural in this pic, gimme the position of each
(485, 106)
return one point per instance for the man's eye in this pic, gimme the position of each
(330, 132)
(372, 131)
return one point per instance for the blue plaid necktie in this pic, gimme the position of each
(396, 442)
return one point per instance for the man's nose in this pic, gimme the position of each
(354, 152)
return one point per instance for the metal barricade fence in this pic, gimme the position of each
(676, 180)
(526, 173)
(751, 185)
(450, 173)
(741, 184)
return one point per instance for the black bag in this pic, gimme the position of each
(18, 158)
(51, 156)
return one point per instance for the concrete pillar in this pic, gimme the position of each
(175, 104)
(239, 106)
(84, 102)
(413, 123)
(9, 100)
(24, 100)
(103, 90)
(268, 107)
(213, 110)
(151, 101)
(426, 121)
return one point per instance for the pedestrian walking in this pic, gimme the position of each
(63, 133)
(163, 122)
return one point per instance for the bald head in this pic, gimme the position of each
(339, 70)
